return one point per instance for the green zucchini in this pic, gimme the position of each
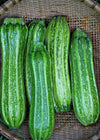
(36, 34)
(41, 115)
(57, 41)
(14, 21)
(13, 36)
(84, 90)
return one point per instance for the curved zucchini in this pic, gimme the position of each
(84, 90)
(36, 34)
(13, 38)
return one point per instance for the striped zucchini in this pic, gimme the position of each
(13, 21)
(57, 42)
(13, 36)
(36, 34)
(41, 115)
(84, 90)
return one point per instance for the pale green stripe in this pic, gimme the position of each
(88, 79)
(35, 101)
(42, 114)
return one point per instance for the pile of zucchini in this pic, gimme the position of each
(45, 55)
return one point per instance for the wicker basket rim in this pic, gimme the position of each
(91, 3)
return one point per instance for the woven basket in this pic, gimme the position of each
(4, 7)
(93, 4)
(67, 127)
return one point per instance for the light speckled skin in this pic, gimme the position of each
(36, 34)
(13, 36)
(41, 115)
(84, 90)
(57, 42)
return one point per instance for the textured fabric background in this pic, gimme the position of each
(67, 127)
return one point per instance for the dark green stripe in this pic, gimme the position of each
(76, 85)
(48, 91)
(84, 78)
(29, 75)
(18, 43)
(38, 98)
(94, 92)
(50, 36)
(5, 54)
(22, 103)
(11, 88)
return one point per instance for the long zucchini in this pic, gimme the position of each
(57, 42)
(41, 115)
(13, 36)
(36, 34)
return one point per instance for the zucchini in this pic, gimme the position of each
(57, 41)
(13, 36)
(41, 115)
(36, 34)
(84, 90)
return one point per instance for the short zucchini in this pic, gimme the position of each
(84, 90)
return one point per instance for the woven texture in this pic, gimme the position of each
(67, 127)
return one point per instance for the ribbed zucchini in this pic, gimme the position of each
(36, 34)
(84, 90)
(13, 36)
(41, 115)
(57, 42)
